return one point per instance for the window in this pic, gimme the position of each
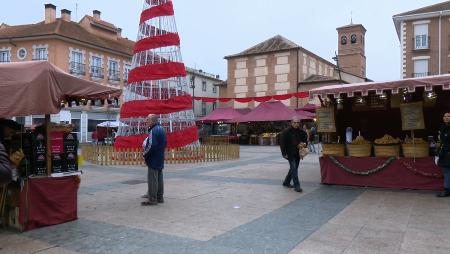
(353, 39)
(203, 108)
(96, 67)
(40, 53)
(204, 86)
(420, 68)
(5, 56)
(92, 124)
(214, 89)
(76, 125)
(77, 66)
(343, 40)
(127, 69)
(421, 36)
(114, 70)
(21, 53)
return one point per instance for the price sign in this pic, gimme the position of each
(412, 116)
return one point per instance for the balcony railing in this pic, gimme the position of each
(421, 42)
(114, 76)
(77, 68)
(97, 72)
(420, 74)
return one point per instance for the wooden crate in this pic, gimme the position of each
(333, 149)
(363, 150)
(415, 150)
(386, 150)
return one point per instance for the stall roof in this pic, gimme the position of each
(410, 84)
(220, 114)
(269, 111)
(309, 107)
(38, 87)
(302, 112)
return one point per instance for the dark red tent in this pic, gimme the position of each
(302, 112)
(268, 112)
(220, 115)
(309, 107)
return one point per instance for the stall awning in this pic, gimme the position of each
(270, 111)
(394, 86)
(220, 114)
(38, 87)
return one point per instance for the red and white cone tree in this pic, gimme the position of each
(157, 83)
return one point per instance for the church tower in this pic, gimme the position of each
(351, 49)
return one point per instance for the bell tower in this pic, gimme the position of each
(351, 49)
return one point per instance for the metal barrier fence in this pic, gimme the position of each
(108, 155)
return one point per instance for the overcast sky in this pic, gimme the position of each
(212, 29)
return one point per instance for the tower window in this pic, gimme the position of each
(353, 38)
(344, 40)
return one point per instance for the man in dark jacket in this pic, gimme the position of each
(8, 163)
(154, 146)
(444, 155)
(290, 141)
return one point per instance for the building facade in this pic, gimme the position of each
(203, 84)
(424, 36)
(91, 49)
(279, 66)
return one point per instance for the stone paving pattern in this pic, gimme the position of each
(240, 207)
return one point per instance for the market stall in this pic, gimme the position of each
(382, 134)
(266, 120)
(45, 192)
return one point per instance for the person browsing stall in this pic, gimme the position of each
(154, 146)
(444, 154)
(292, 138)
(8, 161)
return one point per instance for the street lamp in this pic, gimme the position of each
(193, 94)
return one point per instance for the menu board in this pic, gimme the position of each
(412, 116)
(325, 120)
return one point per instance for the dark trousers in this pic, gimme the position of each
(293, 172)
(155, 184)
(446, 172)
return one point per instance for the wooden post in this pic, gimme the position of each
(49, 144)
(414, 146)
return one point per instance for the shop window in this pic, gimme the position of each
(76, 125)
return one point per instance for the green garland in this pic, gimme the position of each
(362, 173)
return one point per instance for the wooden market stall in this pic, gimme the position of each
(46, 190)
(382, 134)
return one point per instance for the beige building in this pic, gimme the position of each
(279, 66)
(424, 36)
(91, 49)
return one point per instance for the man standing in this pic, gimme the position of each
(154, 146)
(444, 154)
(290, 142)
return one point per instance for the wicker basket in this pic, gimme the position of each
(421, 150)
(363, 150)
(333, 149)
(386, 150)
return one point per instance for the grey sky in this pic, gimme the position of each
(212, 29)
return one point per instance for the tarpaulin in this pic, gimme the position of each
(48, 201)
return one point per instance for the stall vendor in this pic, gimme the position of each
(8, 161)
(444, 154)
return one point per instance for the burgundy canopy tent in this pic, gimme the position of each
(220, 115)
(269, 112)
(302, 112)
(309, 107)
(39, 87)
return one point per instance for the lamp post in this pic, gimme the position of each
(193, 92)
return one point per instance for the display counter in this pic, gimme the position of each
(42, 202)
(396, 173)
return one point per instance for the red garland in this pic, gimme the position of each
(156, 71)
(418, 172)
(169, 39)
(157, 11)
(174, 139)
(141, 108)
(258, 99)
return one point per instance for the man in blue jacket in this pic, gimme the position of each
(154, 146)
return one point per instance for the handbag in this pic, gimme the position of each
(303, 151)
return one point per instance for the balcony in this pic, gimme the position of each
(421, 43)
(97, 72)
(420, 74)
(114, 76)
(77, 68)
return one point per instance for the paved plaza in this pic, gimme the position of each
(240, 207)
